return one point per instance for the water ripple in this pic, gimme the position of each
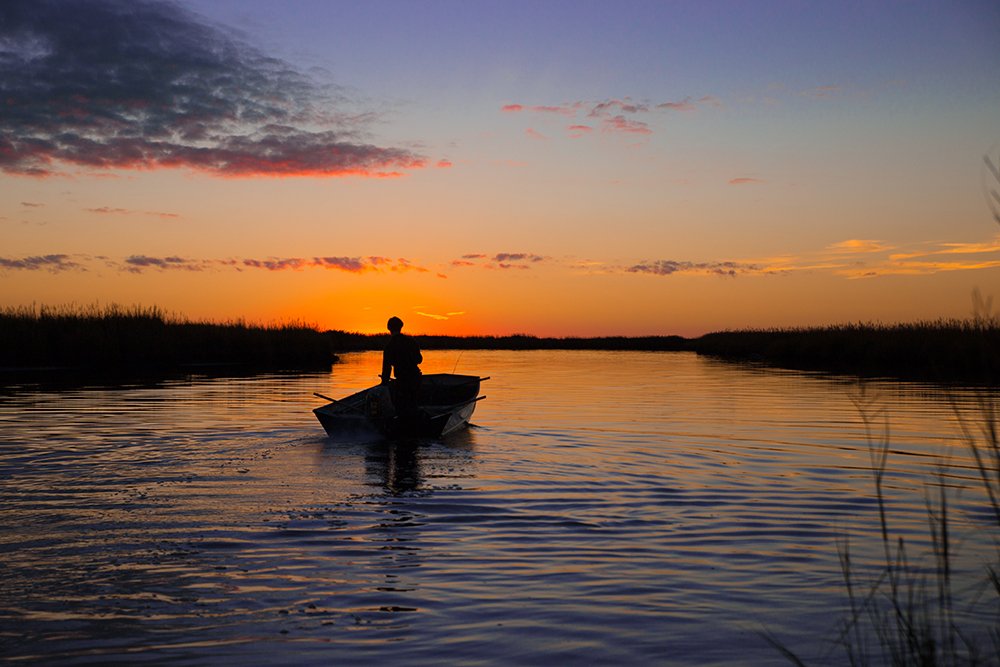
(611, 508)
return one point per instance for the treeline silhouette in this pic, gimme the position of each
(137, 338)
(352, 342)
(943, 350)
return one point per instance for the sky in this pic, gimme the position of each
(556, 168)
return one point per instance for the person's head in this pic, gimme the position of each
(395, 325)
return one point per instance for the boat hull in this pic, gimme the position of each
(446, 403)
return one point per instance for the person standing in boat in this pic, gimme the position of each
(401, 358)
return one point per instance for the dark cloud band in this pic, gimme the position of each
(142, 84)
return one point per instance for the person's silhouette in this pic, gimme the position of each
(401, 358)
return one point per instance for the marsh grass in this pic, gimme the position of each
(907, 610)
(117, 337)
(911, 604)
(941, 350)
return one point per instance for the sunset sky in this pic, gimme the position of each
(475, 167)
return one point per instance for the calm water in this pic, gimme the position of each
(608, 508)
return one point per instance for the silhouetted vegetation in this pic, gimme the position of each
(343, 341)
(115, 337)
(140, 338)
(908, 610)
(946, 350)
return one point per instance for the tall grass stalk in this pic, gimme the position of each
(904, 613)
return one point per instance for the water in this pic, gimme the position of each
(608, 508)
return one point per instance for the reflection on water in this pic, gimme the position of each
(609, 508)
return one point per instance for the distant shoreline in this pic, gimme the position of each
(115, 340)
(946, 351)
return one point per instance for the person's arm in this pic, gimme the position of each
(386, 365)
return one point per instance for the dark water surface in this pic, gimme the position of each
(609, 508)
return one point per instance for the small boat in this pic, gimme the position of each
(445, 404)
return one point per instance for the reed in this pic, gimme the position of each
(139, 337)
(906, 611)
(941, 350)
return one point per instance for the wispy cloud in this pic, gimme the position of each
(668, 267)
(514, 260)
(31, 204)
(346, 264)
(560, 109)
(850, 259)
(614, 115)
(688, 104)
(623, 124)
(683, 105)
(923, 259)
(104, 210)
(517, 257)
(745, 180)
(274, 264)
(500, 260)
(610, 107)
(859, 246)
(123, 84)
(52, 263)
(435, 316)
(138, 263)
(112, 210)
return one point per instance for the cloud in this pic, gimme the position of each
(617, 106)
(615, 115)
(500, 260)
(969, 248)
(914, 268)
(622, 124)
(745, 180)
(858, 245)
(109, 210)
(274, 264)
(561, 109)
(535, 134)
(31, 204)
(688, 105)
(684, 105)
(667, 267)
(435, 316)
(106, 210)
(514, 260)
(52, 263)
(145, 84)
(516, 257)
(138, 263)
